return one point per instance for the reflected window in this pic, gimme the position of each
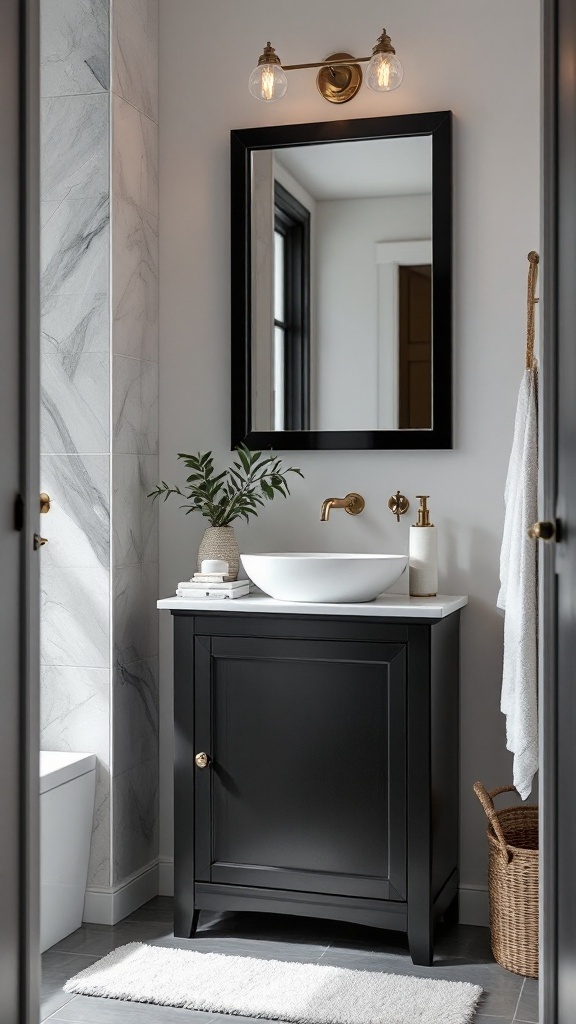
(291, 312)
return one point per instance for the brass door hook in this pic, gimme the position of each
(398, 505)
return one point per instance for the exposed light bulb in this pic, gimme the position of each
(268, 81)
(384, 72)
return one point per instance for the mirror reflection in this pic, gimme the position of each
(341, 286)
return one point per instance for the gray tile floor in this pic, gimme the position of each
(462, 954)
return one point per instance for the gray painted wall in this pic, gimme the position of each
(481, 61)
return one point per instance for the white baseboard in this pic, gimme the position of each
(474, 905)
(110, 905)
(473, 898)
(165, 876)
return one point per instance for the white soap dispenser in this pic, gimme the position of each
(423, 554)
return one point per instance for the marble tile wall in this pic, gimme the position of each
(135, 432)
(99, 248)
(75, 415)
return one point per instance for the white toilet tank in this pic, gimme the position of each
(67, 787)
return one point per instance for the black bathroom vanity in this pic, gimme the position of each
(316, 761)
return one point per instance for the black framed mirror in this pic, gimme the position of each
(341, 267)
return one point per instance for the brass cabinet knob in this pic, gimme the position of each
(44, 503)
(202, 760)
(543, 530)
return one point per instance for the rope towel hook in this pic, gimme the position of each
(533, 260)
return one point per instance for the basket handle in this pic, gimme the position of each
(487, 800)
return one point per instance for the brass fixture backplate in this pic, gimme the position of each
(341, 83)
(356, 504)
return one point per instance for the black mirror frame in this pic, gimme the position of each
(242, 144)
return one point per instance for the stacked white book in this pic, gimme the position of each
(213, 587)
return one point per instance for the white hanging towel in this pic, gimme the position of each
(518, 595)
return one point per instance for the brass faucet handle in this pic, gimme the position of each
(44, 503)
(398, 505)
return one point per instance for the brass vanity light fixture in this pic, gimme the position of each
(340, 75)
(353, 504)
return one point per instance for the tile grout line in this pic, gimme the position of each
(70, 952)
(519, 998)
(324, 951)
(53, 1016)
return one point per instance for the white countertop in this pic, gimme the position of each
(387, 606)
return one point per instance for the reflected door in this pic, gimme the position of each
(415, 348)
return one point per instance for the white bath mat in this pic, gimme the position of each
(296, 992)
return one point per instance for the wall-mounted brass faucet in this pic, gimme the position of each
(353, 504)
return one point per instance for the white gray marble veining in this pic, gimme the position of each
(135, 711)
(75, 612)
(74, 46)
(135, 281)
(74, 147)
(79, 524)
(135, 53)
(135, 522)
(99, 869)
(135, 406)
(74, 248)
(134, 155)
(74, 704)
(73, 325)
(135, 825)
(75, 413)
(135, 624)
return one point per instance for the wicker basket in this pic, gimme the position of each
(512, 882)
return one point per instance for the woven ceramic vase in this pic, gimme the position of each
(220, 542)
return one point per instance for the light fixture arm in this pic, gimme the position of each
(326, 63)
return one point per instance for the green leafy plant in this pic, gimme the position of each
(237, 492)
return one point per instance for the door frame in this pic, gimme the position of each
(558, 561)
(30, 461)
(548, 486)
(19, 506)
(20, 23)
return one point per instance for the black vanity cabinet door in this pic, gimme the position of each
(306, 785)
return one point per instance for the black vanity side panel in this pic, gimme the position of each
(183, 775)
(420, 921)
(445, 750)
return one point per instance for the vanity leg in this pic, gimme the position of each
(421, 939)
(195, 919)
(452, 912)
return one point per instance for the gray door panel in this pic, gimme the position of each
(19, 407)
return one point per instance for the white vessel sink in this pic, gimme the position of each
(323, 578)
